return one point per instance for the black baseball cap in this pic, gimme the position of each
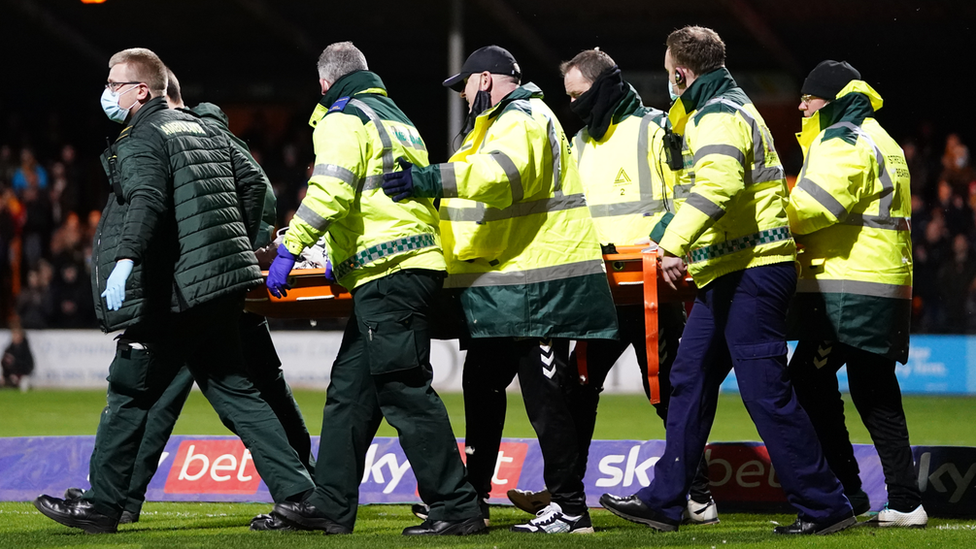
(494, 59)
(828, 78)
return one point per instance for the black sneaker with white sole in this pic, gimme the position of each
(552, 520)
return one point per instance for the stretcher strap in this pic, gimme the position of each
(650, 322)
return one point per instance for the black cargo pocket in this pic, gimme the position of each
(130, 372)
(391, 345)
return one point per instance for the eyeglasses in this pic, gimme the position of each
(807, 98)
(114, 86)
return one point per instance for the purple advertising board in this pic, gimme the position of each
(197, 468)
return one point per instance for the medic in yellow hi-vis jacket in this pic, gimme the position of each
(389, 256)
(733, 229)
(850, 211)
(623, 164)
(524, 259)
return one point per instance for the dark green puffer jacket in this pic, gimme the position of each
(185, 202)
(210, 113)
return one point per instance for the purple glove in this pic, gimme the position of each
(329, 275)
(278, 273)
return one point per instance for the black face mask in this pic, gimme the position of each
(482, 102)
(597, 105)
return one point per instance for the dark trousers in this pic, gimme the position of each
(739, 321)
(263, 369)
(207, 340)
(383, 371)
(584, 378)
(489, 368)
(877, 397)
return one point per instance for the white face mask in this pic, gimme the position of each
(674, 96)
(110, 104)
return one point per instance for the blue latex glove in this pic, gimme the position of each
(399, 185)
(329, 275)
(114, 293)
(277, 281)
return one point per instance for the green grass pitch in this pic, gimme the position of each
(932, 421)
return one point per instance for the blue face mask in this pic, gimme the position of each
(110, 104)
(674, 96)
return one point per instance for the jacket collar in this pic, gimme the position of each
(212, 112)
(354, 83)
(857, 101)
(153, 105)
(705, 87)
(525, 91)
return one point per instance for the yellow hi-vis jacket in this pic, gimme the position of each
(628, 184)
(358, 133)
(518, 238)
(735, 215)
(851, 211)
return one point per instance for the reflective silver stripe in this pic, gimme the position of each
(381, 129)
(644, 162)
(887, 187)
(337, 172)
(706, 206)
(579, 144)
(313, 219)
(825, 199)
(512, 172)
(448, 180)
(556, 151)
(372, 182)
(768, 173)
(724, 150)
(760, 172)
(530, 276)
(627, 208)
(682, 191)
(481, 214)
(878, 222)
(859, 287)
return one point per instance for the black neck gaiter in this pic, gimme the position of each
(597, 105)
(482, 102)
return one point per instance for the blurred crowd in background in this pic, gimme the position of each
(52, 192)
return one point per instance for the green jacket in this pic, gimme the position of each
(851, 211)
(734, 217)
(520, 244)
(211, 113)
(359, 132)
(184, 202)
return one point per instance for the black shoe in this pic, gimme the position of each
(464, 527)
(76, 513)
(802, 527)
(128, 517)
(530, 502)
(73, 493)
(272, 522)
(304, 515)
(422, 511)
(860, 502)
(635, 510)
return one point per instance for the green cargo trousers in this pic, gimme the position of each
(263, 369)
(207, 340)
(383, 371)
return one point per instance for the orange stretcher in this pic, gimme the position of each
(633, 275)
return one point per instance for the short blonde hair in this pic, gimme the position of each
(146, 67)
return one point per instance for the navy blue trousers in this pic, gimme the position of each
(739, 321)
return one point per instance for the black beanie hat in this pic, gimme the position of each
(828, 78)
